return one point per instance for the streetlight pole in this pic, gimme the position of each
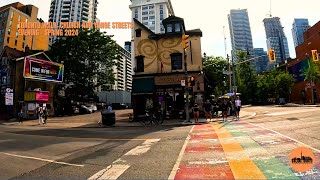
(186, 85)
(230, 82)
(311, 80)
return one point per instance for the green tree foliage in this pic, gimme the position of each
(89, 59)
(274, 84)
(246, 78)
(312, 72)
(213, 69)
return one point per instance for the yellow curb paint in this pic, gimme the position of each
(241, 165)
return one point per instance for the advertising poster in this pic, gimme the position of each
(43, 70)
(9, 99)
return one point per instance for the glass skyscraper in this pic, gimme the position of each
(299, 26)
(240, 32)
(261, 60)
(276, 39)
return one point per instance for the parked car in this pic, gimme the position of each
(94, 108)
(86, 109)
(119, 106)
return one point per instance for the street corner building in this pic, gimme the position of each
(159, 68)
(27, 80)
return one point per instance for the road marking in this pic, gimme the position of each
(291, 112)
(93, 139)
(119, 166)
(253, 115)
(40, 159)
(111, 172)
(143, 148)
(317, 150)
(241, 165)
(176, 166)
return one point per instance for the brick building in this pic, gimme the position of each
(303, 52)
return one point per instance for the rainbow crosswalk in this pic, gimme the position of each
(239, 150)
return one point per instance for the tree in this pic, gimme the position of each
(246, 78)
(312, 73)
(215, 79)
(88, 59)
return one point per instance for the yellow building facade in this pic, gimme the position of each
(159, 68)
(10, 17)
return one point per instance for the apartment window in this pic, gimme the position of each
(145, 13)
(0, 39)
(19, 18)
(162, 29)
(151, 7)
(26, 19)
(22, 45)
(161, 17)
(17, 34)
(145, 23)
(144, 7)
(153, 22)
(140, 64)
(15, 42)
(151, 12)
(177, 27)
(18, 26)
(136, 15)
(1, 31)
(152, 28)
(161, 11)
(12, 14)
(9, 31)
(152, 17)
(5, 14)
(10, 23)
(24, 37)
(8, 39)
(169, 28)
(145, 18)
(176, 61)
(138, 33)
(161, 6)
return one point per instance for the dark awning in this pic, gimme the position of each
(143, 85)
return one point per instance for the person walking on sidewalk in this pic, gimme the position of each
(237, 108)
(207, 110)
(45, 114)
(196, 113)
(40, 114)
(224, 109)
(20, 116)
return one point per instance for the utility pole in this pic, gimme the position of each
(184, 46)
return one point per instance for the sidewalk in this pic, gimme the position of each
(122, 120)
(298, 105)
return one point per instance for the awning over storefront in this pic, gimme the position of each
(143, 86)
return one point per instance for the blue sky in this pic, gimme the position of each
(208, 15)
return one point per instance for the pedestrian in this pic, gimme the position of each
(45, 114)
(224, 109)
(20, 116)
(40, 115)
(237, 108)
(207, 110)
(196, 113)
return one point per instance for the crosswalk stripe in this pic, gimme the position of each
(241, 165)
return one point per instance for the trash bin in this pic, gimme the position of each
(108, 118)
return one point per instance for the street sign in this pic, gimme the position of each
(227, 72)
(9, 99)
(9, 90)
(183, 82)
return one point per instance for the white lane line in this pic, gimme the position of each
(111, 172)
(176, 166)
(253, 115)
(143, 148)
(291, 112)
(119, 166)
(317, 150)
(40, 159)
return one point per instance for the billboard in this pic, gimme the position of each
(30, 96)
(43, 70)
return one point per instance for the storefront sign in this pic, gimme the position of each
(9, 99)
(178, 79)
(42, 96)
(36, 96)
(43, 70)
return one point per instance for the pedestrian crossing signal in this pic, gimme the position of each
(315, 55)
(185, 43)
(272, 55)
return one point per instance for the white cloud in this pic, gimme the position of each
(208, 15)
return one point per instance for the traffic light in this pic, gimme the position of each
(185, 43)
(315, 55)
(272, 55)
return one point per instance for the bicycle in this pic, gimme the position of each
(154, 118)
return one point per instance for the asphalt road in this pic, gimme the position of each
(256, 147)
